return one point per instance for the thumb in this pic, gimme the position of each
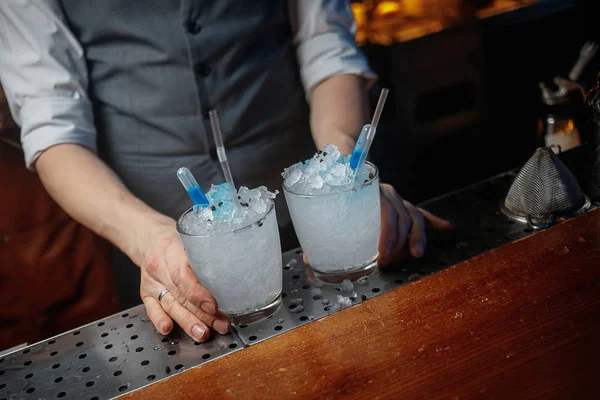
(437, 223)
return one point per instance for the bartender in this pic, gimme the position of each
(112, 97)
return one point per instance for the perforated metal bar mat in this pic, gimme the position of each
(105, 359)
(478, 226)
(124, 352)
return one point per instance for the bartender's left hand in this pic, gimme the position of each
(403, 227)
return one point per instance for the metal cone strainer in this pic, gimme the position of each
(544, 189)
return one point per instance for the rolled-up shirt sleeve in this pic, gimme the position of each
(43, 71)
(324, 38)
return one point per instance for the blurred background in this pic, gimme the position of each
(465, 100)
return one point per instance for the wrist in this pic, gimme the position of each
(142, 229)
(151, 235)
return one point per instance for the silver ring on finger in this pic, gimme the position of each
(162, 294)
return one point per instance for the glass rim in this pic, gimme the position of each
(234, 231)
(350, 189)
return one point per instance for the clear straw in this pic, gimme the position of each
(216, 128)
(372, 130)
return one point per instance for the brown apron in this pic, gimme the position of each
(55, 274)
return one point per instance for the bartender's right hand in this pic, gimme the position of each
(187, 302)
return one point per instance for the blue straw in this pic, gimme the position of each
(357, 153)
(189, 183)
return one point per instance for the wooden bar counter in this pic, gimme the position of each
(518, 322)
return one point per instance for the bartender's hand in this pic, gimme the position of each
(187, 301)
(149, 238)
(403, 227)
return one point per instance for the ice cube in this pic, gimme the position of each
(343, 301)
(315, 181)
(363, 281)
(259, 206)
(297, 301)
(315, 166)
(203, 213)
(254, 195)
(298, 166)
(297, 309)
(224, 210)
(293, 177)
(219, 193)
(338, 170)
(330, 155)
(243, 192)
(346, 286)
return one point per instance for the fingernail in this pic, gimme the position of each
(208, 308)
(165, 329)
(419, 249)
(198, 332)
(221, 326)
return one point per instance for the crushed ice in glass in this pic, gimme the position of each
(221, 216)
(327, 171)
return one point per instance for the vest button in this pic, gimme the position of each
(194, 27)
(203, 69)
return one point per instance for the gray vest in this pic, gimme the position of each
(156, 68)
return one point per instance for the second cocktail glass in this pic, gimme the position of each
(339, 230)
